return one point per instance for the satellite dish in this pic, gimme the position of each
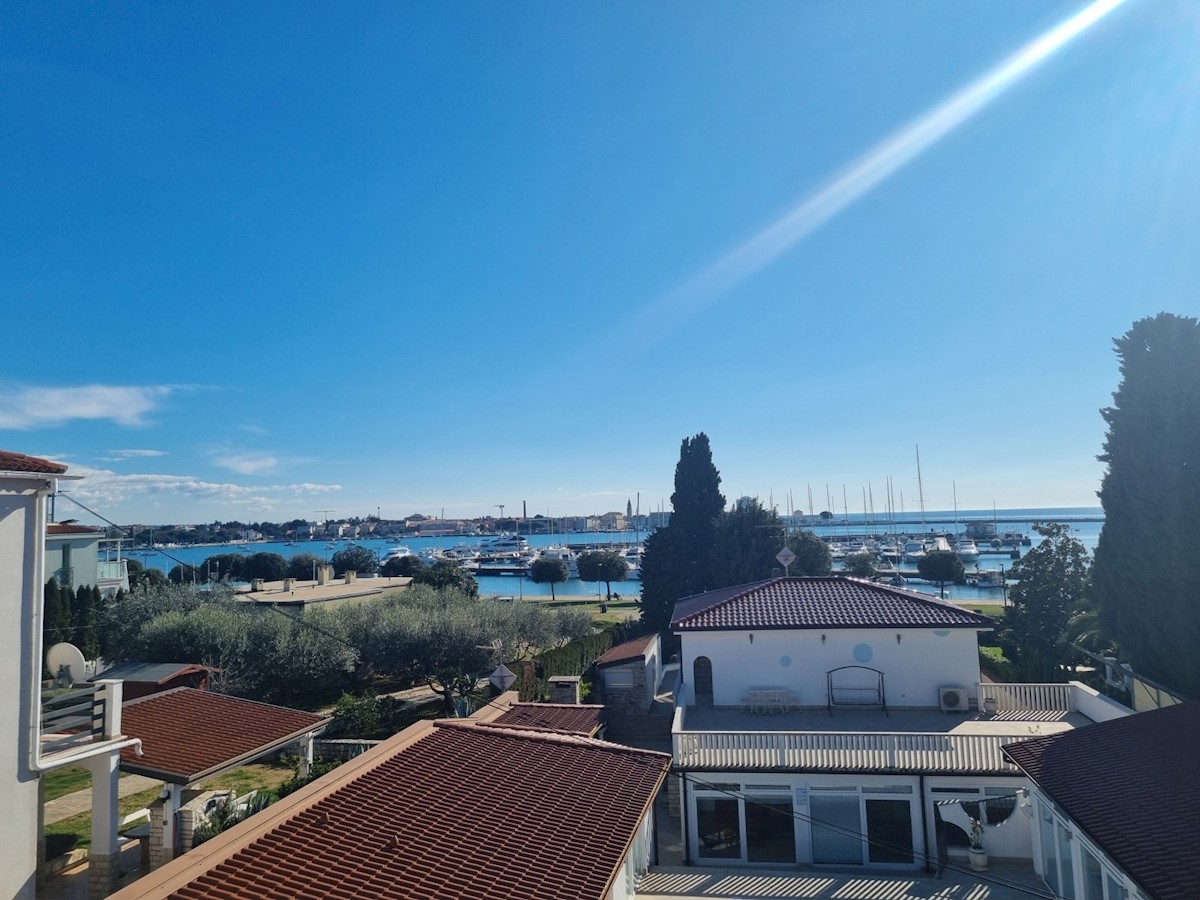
(65, 663)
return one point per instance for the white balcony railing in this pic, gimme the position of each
(81, 723)
(844, 751)
(1029, 697)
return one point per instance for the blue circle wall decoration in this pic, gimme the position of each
(785, 661)
(863, 652)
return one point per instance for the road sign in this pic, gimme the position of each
(786, 557)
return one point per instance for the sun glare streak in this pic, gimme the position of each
(865, 173)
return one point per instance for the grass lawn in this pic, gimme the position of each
(81, 825)
(618, 610)
(253, 777)
(995, 610)
(66, 780)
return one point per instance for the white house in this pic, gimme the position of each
(852, 713)
(37, 737)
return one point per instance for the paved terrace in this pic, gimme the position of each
(301, 593)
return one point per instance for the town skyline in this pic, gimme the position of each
(435, 259)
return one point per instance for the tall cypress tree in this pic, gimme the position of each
(678, 558)
(1146, 573)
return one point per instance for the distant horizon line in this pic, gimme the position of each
(1026, 512)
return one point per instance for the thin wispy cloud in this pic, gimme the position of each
(27, 407)
(122, 455)
(247, 463)
(106, 489)
(859, 178)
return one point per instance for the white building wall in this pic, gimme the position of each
(21, 534)
(1011, 839)
(636, 862)
(84, 557)
(653, 669)
(922, 661)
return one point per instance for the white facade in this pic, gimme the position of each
(73, 558)
(773, 779)
(22, 529)
(1070, 863)
(636, 861)
(881, 821)
(915, 665)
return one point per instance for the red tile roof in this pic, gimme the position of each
(59, 528)
(188, 734)
(568, 718)
(635, 649)
(1132, 785)
(458, 811)
(19, 462)
(826, 602)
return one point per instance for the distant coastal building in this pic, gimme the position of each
(659, 519)
(612, 521)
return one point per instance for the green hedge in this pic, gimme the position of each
(575, 658)
(993, 662)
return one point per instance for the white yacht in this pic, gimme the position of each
(967, 551)
(565, 555)
(395, 553)
(505, 545)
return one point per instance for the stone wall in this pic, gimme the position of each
(631, 700)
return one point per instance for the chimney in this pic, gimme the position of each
(324, 574)
(565, 689)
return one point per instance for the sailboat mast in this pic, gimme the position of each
(920, 487)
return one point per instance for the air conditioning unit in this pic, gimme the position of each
(953, 699)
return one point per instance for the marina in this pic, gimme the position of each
(505, 570)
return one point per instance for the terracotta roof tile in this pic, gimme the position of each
(569, 718)
(470, 812)
(59, 528)
(634, 649)
(1131, 785)
(187, 732)
(19, 462)
(825, 602)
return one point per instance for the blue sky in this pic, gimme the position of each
(261, 259)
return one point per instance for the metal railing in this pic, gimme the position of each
(844, 751)
(83, 718)
(72, 719)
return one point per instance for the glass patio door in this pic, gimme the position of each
(889, 831)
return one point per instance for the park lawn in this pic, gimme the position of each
(81, 825)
